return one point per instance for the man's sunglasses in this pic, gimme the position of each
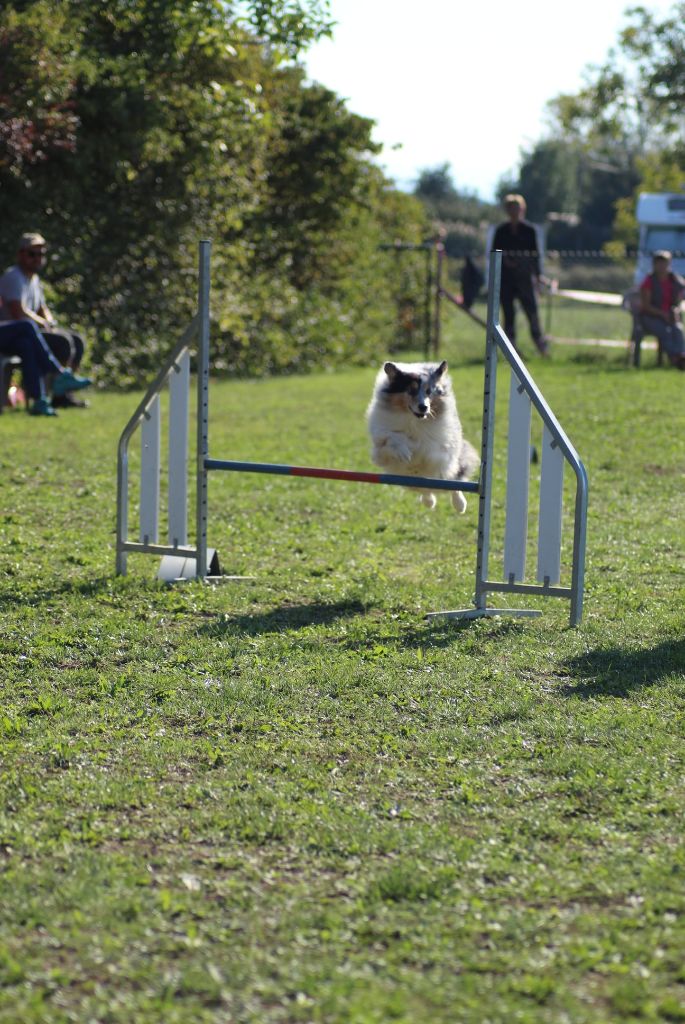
(37, 252)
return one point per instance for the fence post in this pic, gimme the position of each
(440, 252)
(179, 395)
(202, 409)
(487, 441)
(150, 434)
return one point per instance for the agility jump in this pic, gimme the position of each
(183, 560)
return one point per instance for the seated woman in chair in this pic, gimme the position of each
(661, 294)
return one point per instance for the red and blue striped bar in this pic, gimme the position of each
(394, 480)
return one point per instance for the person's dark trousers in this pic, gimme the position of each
(21, 338)
(523, 291)
(67, 346)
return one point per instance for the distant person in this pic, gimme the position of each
(22, 298)
(471, 282)
(38, 366)
(661, 294)
(521, 273)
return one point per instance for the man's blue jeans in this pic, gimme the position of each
(22, 338)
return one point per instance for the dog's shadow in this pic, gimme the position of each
(285, 618)
(408, 635)
(620, 671)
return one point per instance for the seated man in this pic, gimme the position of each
(22, 298)
(661, 294)
(22, 338)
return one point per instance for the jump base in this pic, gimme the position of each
(485, 613)
(174, 568)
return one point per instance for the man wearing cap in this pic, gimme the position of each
(22, 298)
(661, 294)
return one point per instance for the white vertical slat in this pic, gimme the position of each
(518, 472)
(149, 474)
(179, 399)
(551, 497)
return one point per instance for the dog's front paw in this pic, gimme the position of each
(429, 499)
(459, 502)
(400, 449)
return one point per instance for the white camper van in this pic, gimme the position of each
(661, 219)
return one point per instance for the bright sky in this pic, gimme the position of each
(437, 75)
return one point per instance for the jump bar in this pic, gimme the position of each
(425, 483)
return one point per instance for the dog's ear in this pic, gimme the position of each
(391, 370)
(441, 370)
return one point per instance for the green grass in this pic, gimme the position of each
(568, 319)
(293, 799)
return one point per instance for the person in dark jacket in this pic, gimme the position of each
(521, 271)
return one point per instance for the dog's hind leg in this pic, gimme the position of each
(428, 499)
(459, 502)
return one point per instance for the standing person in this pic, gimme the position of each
(661, 294)
(22, 298)
(520, 270)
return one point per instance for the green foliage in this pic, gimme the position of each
(659, 172)
(658, 48)
(573, 191)
(549, 179)
(460, 217)
(183, 124)
(292, 24)
(37, 119)
(621, 134)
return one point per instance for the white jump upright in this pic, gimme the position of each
(557, 452)
(183, 560)
(179, 559)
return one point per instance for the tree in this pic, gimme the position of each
(658, 50)
(314, 175)
(461, 216)
(628, 121)
(435, 187)
(549, 178)
(291, 24)
(36, 110)
(151, 123)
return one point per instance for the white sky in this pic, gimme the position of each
(427, 73)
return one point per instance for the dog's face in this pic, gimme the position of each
(419, 392)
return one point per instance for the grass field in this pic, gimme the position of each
(293, 799)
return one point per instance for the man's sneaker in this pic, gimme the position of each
(41, 407)
(68, 381)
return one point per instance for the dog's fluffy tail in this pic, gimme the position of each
(469, 461)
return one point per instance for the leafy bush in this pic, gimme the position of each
(153, 125)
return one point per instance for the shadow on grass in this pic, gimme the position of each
(435, 633)
(619, 671)
(286, 618)
(33, 595)
(377, 626)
